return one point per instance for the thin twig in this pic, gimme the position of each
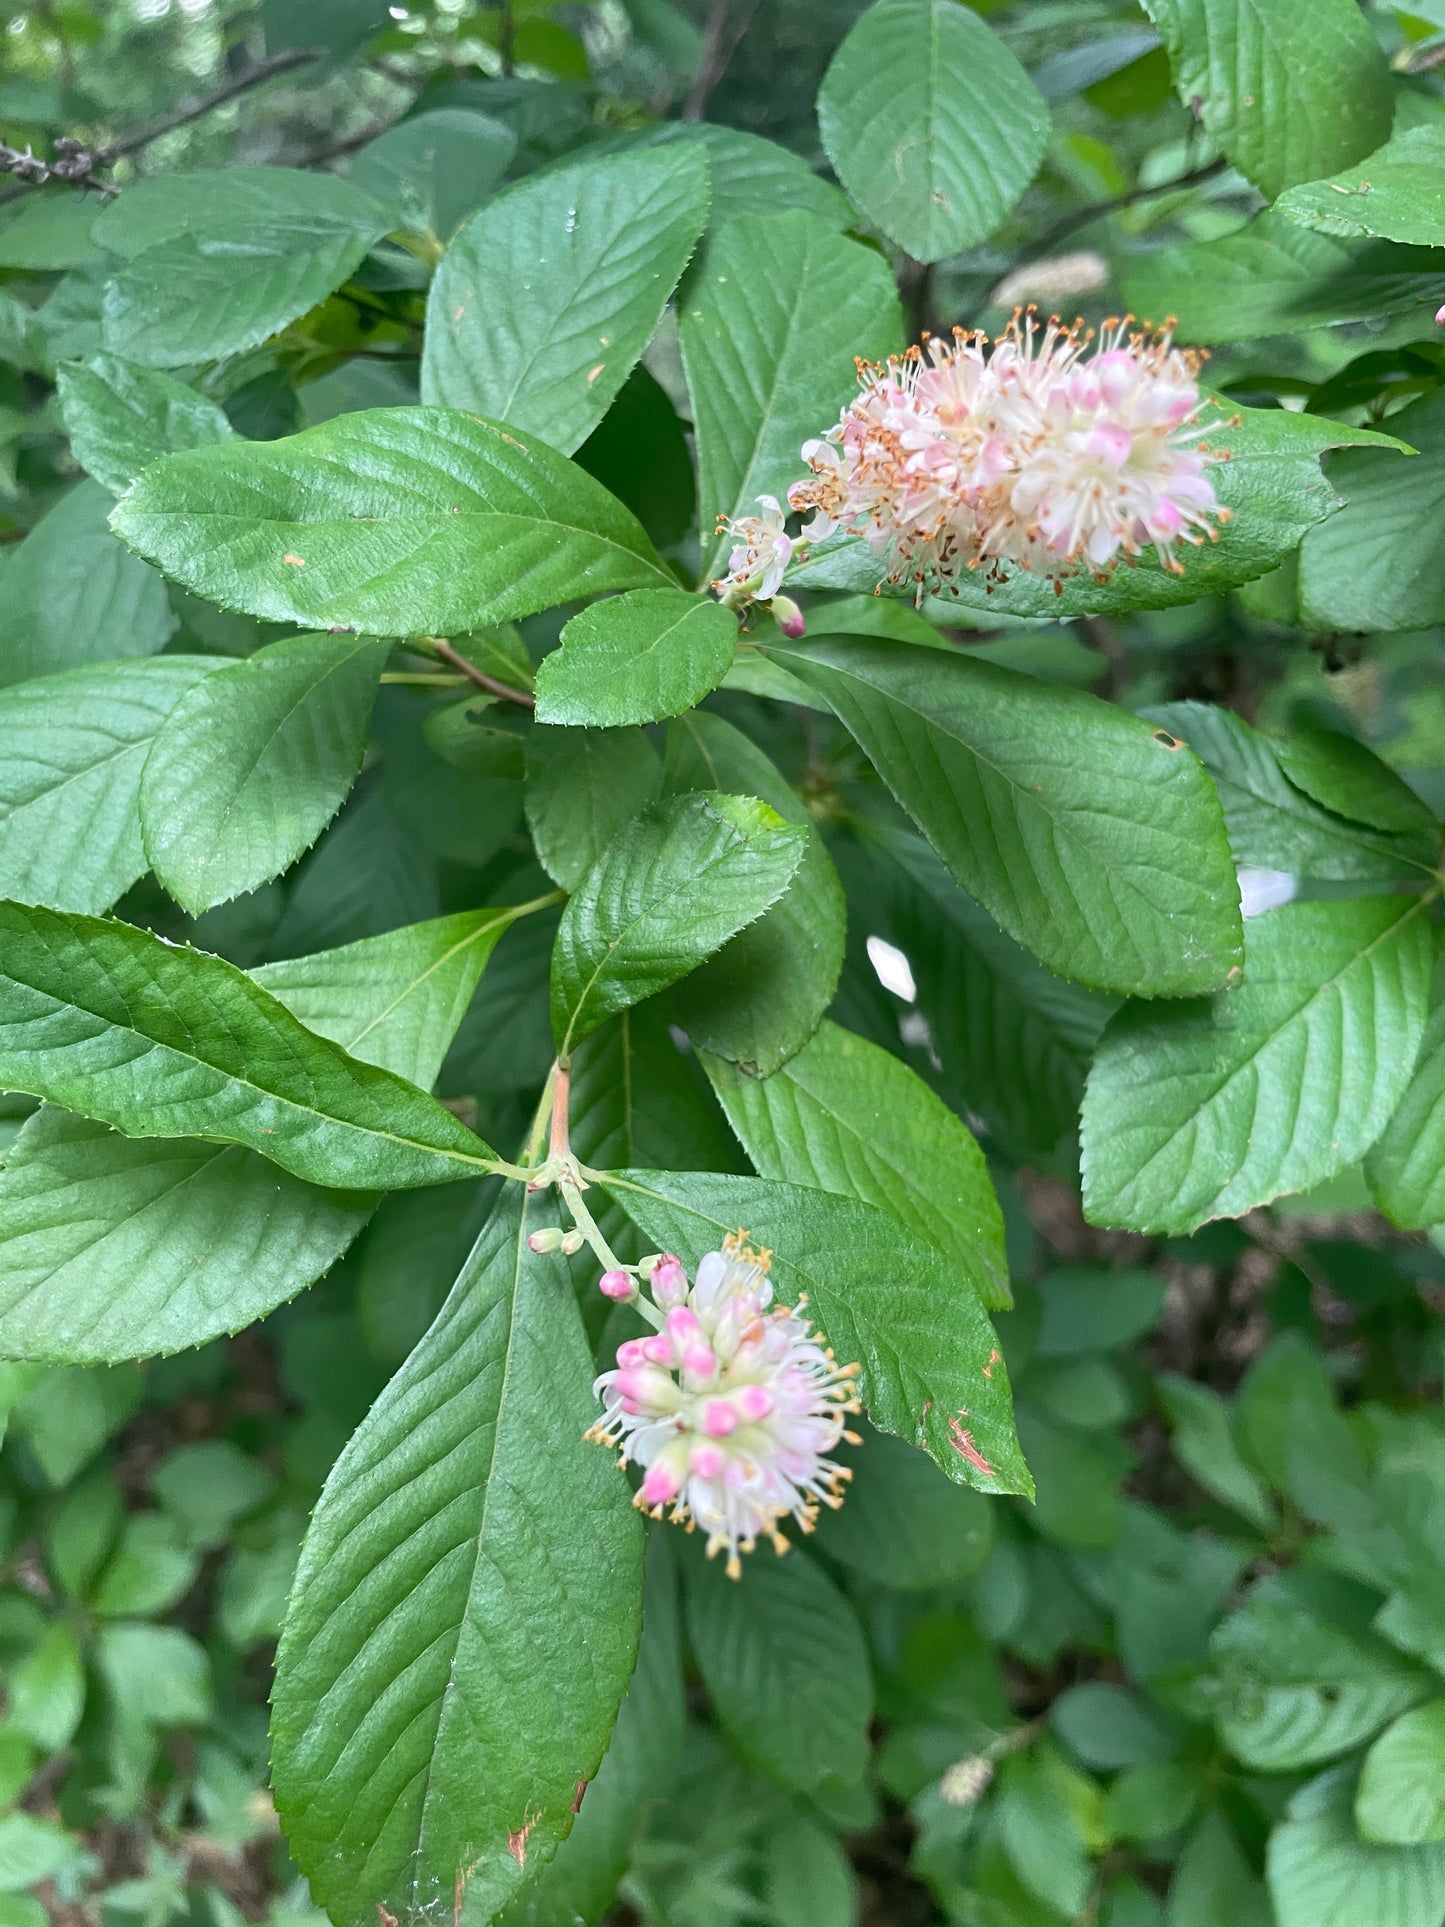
(75, 162)
(479, 676)
(1086, 216)
(715, 56)
(507, 39)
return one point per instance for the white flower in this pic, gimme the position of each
(1265, 889)
(761, 553)
(731, 1408)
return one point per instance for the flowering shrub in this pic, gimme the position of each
(687, 840)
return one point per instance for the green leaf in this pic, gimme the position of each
(1207, 1110)
(72, 748)
(903, 1524)
(216, 261)
(932, 1373)
(466, 1611)
(149, 1572)
(253, 763)
(73, 595)
(1401, 1800)
(1214, 1883)
(636, 658)
(546, 299)
(931, 124)
(782, 1656)
(750, 175)
(639, 450)
(762, 997)
(395, 1000)
(120, 417)
(1394, 195)
(114, 1247)
(1109, 1727)
(1013, 1040)
(1380, 566)
(434, 168)
(46, 1690)
(1296, 1683)
(1340, 774)
(49, 230)
(396, 521)
(769, 356)
(583, 787)
(1321, 1874)
(163, 1041)
(1273, 823)
(1093, 840)
(33, 1850)
(845, 1116)
(1270, 483)
(1290, 91)
(1205, 1446)
(668, 891)
(1406, 1168)
(1273, 277)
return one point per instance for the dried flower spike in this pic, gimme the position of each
(731, 1408)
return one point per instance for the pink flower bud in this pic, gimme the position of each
(707, 1461)
(549, 1239)
(632, 1351)
(754, 1403)
(719, 1420)
(617, 1284)
(682, 1327)
(659, 1349)
(660, 1484)
(788, 616)
(669, 1282)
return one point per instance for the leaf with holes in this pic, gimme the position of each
(1211, 1108)
(1095, 841)
(932, 1372)
(466, 1612)
(932, 125)
(544, 301)
(394, 521)
(668, 891)
(253, 763)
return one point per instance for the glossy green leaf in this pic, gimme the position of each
(1406, 1168)
(397, 521)
(583, 786)
(466, 1612)
(162, 1041)
(1342, 775)
(668, 891)
(845, 1116)
(73, 595)
(932, 1373)
(114, 1247)
(1273, 823)
(1396, 194)
(216, 261)
(1270, 483)
(72, 749)
(750, 175)
(546, 299)
(121, 417)
(253, 763)
(1322, 1874)
(636, 659)
(1379, 565)
(931, 124)
(1289, 91)
(433, 168)
(781, 1653)
(1093, 840)
(762, 997)
(1211, 1108)
(769, 355)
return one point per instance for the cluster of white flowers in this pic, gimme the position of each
(731, 1408)
(1036, 455)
